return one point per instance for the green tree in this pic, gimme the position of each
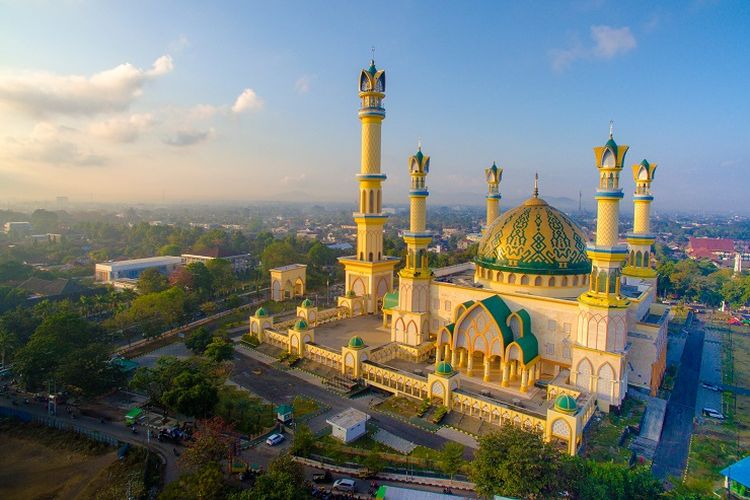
(155, 312)
(205, 483)
(210, 443)
(517, 463)
(222, 275)
(246, 414)
(451, 458)
(279, 253)
(191, 394)
(285, 479)
(373, 463)
(200, 278)
(13, 270)
(198, 340)
(8, 343)
(44, 221)
(219, 350)
(303, 441)
(170, 249)
(617, 482)
(152, 281)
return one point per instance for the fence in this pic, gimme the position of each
(54, 423)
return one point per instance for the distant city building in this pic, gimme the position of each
(714, 249)
(240, 261)
(17, 229)
(38, 288)
(110, 272)
(307, 234)
(340, 246)
(46, 238)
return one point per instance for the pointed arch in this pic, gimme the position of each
(584, 370)
(606, 376)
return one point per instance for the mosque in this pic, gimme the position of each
(542, 328)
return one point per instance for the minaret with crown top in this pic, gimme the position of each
(641, 240)
(599, 362)
(369, 273)
(410, 321)
(493, 175)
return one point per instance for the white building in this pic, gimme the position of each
(109, 272)
(240, 262)
(349, 425)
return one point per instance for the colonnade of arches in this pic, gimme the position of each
(535, 280)
(639, 259)
(370, 201)
(603, 382)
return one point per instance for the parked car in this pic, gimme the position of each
(274, 439)
(711, 387)
(345, 484)
(322, 477)
(712, 413)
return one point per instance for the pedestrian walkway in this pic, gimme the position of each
(393, 441)
(458, 436)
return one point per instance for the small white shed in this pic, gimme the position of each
(349, 425)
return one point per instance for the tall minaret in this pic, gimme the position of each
(493, 175)
(369, 273)
(640, 241)
(598, 355)
(415, 277)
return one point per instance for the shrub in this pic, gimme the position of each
(423, 407)
(441, 412)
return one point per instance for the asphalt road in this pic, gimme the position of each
(281, 386)
(673, 448)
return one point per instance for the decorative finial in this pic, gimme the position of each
(611, 125)
(373, 54)
(419, 144)
(536, 185)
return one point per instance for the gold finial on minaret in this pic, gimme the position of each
(611, 127)
(536, 185)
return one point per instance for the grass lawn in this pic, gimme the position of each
(304, 406)
(400, 405)
(602, 437)
(717, 445)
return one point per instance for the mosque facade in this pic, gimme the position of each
(540, 330)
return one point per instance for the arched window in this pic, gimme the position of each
(552, 281)
(638, 259)
(363, 202)
(369, 257)
(646, 259)
(515, 326)
(538, 281)
(372, 203)
(524, 280)
(512, 279)
(499, 276)
(380, 198)
(564, 281)
(601, 282)
(361, 256)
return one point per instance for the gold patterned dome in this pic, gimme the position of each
(534, 238)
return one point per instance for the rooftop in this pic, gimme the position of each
(348, 418)
(289, 267)
(145, 262)
(216, 252)
(337, 334)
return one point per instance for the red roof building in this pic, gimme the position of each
(710, 248)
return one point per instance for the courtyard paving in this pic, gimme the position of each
(336, 334)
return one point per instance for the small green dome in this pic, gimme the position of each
(261, 312)
(351, 294)
(444, 368)
(566, 404)
(356, 342)
(307, 303)
(300, 325)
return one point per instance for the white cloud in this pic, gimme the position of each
(53, 145)
(302, 85)
(608, 42)
(177, 46)
(248, 100)
(123, 129)
(189, 137)
(44, 93)
(612, 41)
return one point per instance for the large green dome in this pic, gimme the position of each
(534, 238)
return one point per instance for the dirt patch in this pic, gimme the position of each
(32, 469)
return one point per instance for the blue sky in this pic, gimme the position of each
(239, 101)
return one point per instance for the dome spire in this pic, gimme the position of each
(536, 185)
(611, 127)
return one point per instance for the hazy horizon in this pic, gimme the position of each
(118, 103)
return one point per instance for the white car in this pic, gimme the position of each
(710, 412)
(274, 439)
(345, 485)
